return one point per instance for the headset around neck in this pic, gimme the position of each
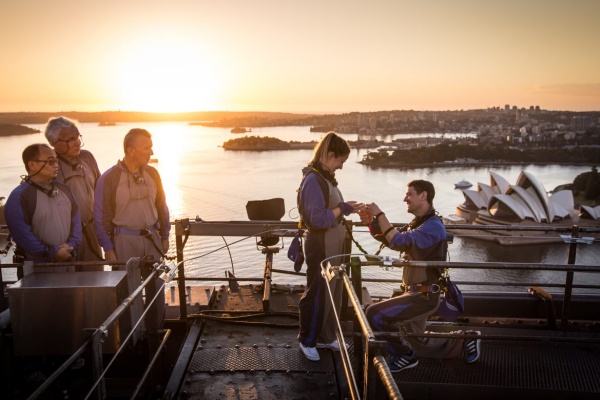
(75, 166)
(51, 191)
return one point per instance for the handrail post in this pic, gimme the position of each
(569, 280)
(179, 231)
(97, 365)
(356, 279)
(374, 387)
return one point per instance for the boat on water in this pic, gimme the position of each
(463, 184)
(237, 339)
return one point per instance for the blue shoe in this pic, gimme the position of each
(472, 348)
(400, 363)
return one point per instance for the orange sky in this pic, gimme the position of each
(330, 56)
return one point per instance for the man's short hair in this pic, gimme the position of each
(32, 152)
(420, 186)
(132, 136)
(55, 125)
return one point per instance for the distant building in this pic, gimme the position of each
(580, 123)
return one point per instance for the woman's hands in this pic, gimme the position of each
(350, 207)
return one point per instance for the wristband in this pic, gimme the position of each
(388, 231)
(379, 214)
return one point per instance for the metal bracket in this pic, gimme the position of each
(168, 271)
(578, 240)
(333, 271)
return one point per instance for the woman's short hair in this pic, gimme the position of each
(330, 143)
(55, 125)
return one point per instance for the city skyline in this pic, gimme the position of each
(310, 57)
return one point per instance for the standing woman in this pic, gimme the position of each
(322, 208)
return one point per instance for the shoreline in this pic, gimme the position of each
(468, 164)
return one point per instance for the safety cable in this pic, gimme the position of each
(381, 247)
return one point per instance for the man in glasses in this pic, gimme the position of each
(78, 169)
(130, 207)
(41, 213)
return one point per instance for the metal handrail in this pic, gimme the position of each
(376, 350)
(97, 333)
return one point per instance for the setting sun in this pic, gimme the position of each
(167, 76)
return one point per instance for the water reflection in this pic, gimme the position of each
(168, 142)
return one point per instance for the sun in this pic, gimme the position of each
(168, 75)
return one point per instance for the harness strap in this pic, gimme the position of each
(147, 233)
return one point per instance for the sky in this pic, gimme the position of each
(323, 56)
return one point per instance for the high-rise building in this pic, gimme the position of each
(580, 123)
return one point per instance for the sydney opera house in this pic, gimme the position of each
(526, 203)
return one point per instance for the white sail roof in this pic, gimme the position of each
(537, 214)
(486, 191)
(474, 199)
(526, 180)
(505, 206)
(563, 202)
(588, 212)
(527, 199)
(498, 183)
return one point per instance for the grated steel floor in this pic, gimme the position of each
(236, 361)
(547, 369)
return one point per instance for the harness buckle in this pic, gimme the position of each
(146, 233)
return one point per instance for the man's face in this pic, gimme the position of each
(141, 151)
(46, 163)
(415, 202)
(68, 143)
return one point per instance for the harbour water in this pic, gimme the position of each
(203, 180)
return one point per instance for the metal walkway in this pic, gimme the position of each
(259, 358)
(533, 370)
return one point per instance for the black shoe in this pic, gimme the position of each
(400, 363)
(472, 348)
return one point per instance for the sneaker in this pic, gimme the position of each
(472, 348)
(335, 345)
(405, 362)
(310, 352)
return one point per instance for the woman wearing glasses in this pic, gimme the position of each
(78, 169)
(42, 214)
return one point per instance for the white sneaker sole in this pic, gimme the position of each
(308, 356)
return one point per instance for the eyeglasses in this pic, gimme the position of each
(71, 139)
(51, 161)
